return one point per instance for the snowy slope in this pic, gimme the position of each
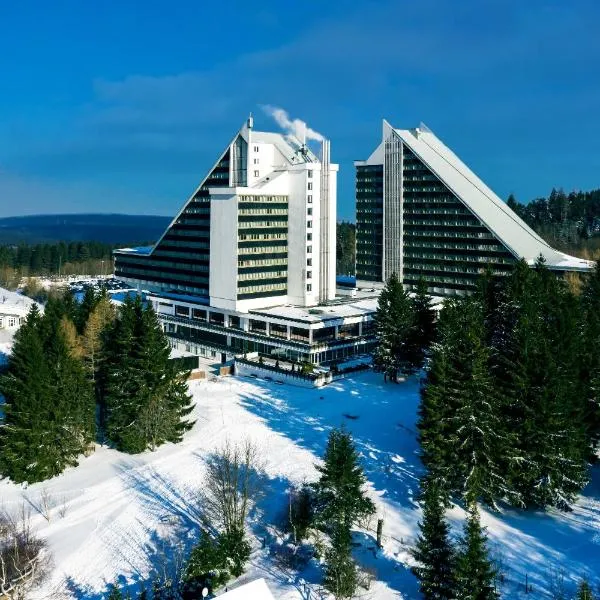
(124, 514)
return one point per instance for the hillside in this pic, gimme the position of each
(129, 512)
(110, 229)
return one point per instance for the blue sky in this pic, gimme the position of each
(121, 106)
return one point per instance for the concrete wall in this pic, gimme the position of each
(223, 250)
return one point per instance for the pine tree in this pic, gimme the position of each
(461, 433)
(340, 577)
(425, 320)
(114, 592)
(433, 551)
(538, 376)
(590, 356)
(340, 497)
(584, 591)
(475, 575)
(85, 308)
(397, 351)
(49, 408)
(146, 396)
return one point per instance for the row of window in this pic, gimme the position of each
(261, 262)
(263, 275)
(262, 236)
(263, 199)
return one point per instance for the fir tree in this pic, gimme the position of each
(340, 577)
(590, 356)
(475, 575)
(49, 411)
(396, 352)
(461, 433)
(146, 396)
(538, 375)
(433, 551)
(340, 496)
(584, 591)
(85, 308)
(114, 592)
(425, 319)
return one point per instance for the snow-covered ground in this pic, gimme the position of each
(117, 516)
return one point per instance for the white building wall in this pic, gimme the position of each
(223, 249)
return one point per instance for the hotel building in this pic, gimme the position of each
(248, 264)
(422, 213)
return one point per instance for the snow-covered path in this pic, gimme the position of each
(118, 516)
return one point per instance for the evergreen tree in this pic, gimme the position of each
(397, 351)
(85, 308)
(425, 318)
(590, 356)
(537, 373)
(433, 551)
(340, 577)
(340, 497)
(461, 433)
(584, 591)
(145, 394)
(475, 574)
(49, 411)
(114, 592)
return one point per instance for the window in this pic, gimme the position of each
(309, 174)
(309, 224)
(255, 148)
(309, 236)
(309, 199)
(309, 287)
(256, 161)
(310, 185)
(308, 274)
(256, 173)
(309, 262)
(308, 249)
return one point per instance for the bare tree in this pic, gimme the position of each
(234, 479)
(24, 561)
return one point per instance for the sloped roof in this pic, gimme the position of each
(510, 229)
(255, 590)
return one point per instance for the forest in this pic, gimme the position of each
(509, 412)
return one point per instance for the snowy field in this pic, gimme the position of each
(117, 516)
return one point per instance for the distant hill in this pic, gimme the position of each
(109, 229)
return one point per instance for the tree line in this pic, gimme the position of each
(509, 409)
(81, 373)
(570, 222)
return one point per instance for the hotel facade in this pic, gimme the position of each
(422, 213)
(248, 264)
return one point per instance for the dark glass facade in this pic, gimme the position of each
(180, 262)
(443, 242)
(369, 222)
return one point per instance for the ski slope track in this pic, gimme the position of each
(117, 517)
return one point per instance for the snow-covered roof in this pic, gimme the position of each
(255, 590)
(12, 303)
(315, 314)
(508, 227)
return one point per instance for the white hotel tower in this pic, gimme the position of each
(250, 251)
